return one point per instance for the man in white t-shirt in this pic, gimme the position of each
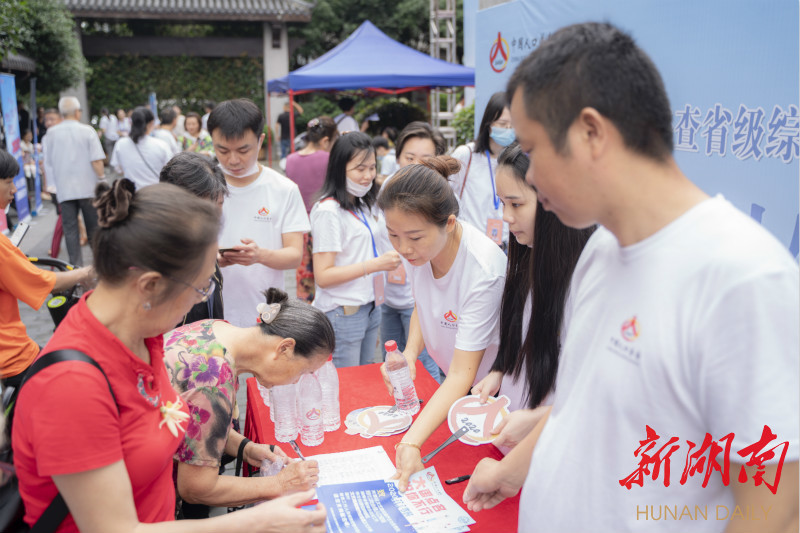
(264, 217)
(74, 164)
(345, 121)
(163, 132)
(679, 370)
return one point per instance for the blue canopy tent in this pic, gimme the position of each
(369, 59)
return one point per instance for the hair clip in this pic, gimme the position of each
(313, 123)
(267, 312)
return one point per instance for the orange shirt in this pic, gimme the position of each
(19, 280)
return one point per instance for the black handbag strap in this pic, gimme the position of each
(57, 511)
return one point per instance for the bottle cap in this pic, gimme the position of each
(390, 346)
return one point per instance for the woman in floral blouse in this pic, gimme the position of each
(203, 359)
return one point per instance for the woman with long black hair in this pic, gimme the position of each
(140, 157)
(541, 258)
(475, 182)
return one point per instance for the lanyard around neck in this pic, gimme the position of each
(495, 199)
(363, 219)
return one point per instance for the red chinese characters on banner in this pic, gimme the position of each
(707, 459)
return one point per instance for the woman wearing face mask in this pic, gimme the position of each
(475, 183)
(348, 270)
(457, 275)
(203, 359)
(541, 258)
(416, 142)
(307, 169)
(140, 157)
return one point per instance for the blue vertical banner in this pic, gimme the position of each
(8, 101)
(731, 69)
(153, 103)
(37, 176)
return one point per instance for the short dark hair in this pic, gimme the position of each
(321, 127)
(346, 103)
(195, 115)
(380, 142)
(423, 190)
(160, 228)
(494, 108)
(234, 117)
(346, 147)
(544, 270)
(51, 111)
(140, 118)
(167, 115)
(209, 104)
(420, 130)
(599, 66)
(9, 167)
(391, 133)
(197, 174)
(307, 325)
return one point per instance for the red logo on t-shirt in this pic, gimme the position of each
(263, 211)
(450, 316)
(630, 329)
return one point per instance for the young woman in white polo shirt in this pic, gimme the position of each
(457, 276)
(344, 227)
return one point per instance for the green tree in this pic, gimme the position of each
(332, 21)
(14, 30)
(53, 44)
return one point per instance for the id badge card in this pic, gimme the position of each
(377, 284)
(397, 276)
(494, 230)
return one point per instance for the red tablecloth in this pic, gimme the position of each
(362, 386)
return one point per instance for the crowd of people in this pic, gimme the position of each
(527, 263)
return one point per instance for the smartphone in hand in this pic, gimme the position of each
(224, 250)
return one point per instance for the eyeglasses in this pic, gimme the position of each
(205, 293)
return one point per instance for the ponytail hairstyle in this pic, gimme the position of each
(140, 118)
(308, 326)
(542, 272)
(319, 128)
(160, 228)
(423, 189)
(350, 146)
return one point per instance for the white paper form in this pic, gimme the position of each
(351, 467)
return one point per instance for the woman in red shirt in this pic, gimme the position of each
(112, 461)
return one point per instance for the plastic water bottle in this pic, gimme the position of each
(284, 405)
(405, 393)
(329, 381)
(309, 400)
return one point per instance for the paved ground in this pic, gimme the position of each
(37, 242)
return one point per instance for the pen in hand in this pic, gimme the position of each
(296, 449)
(458, 479)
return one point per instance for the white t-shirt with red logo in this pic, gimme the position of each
(461, 310)
(262, 211)
(338, 230)
(693, 330)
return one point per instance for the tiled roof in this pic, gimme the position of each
(285, 10)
